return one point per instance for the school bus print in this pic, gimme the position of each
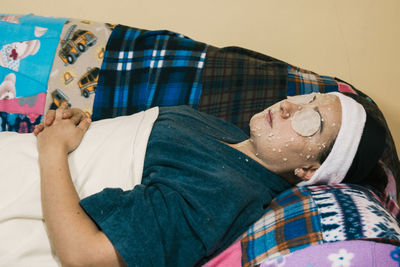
(88, 82)
(59, 98)
(75, 43)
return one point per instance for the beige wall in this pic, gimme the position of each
(357, 40)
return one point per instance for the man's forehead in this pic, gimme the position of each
(326, 99)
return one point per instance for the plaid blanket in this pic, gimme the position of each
(305, 216)
(237, 83)
(290, 223)
(301, 81)
(142, 69)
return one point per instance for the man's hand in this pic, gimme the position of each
(76, 239)
(75, 114)
(62, 135)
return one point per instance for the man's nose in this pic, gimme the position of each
(287, 109)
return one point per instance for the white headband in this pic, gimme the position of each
(335, 167)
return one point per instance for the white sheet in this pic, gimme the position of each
(111, 155)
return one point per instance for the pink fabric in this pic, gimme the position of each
(232, 257)
(340, 254)
(24, 105)
(345, 88)
(390, 200)
(391, 185)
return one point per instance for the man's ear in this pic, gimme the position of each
(306, 172)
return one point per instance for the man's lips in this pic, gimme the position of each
(269, 117)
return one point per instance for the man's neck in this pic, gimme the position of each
(247, 148)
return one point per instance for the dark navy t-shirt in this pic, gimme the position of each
(197, 195)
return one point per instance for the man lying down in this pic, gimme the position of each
(169, 186)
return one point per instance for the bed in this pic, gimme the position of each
(112, 71)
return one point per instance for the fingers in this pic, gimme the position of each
(75, 114)
(59, 113)
(84, 124)
(50, 115)
(38, 129)
(48, 120)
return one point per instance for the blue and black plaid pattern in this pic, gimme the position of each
(142, 69)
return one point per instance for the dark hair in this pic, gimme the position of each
(376, 180)
(366, 169)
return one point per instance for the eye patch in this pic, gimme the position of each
(301, 99)
(306, 122)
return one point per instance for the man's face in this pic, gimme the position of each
(293, 132)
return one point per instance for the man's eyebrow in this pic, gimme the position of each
(317, 110)
(322, 119)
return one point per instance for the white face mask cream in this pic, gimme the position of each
(306, 122)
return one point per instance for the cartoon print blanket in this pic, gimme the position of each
(45, 62)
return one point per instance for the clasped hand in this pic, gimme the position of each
(62, 130)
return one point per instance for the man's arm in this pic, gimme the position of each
(74, 236)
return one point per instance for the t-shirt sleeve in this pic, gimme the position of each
(161, 225)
